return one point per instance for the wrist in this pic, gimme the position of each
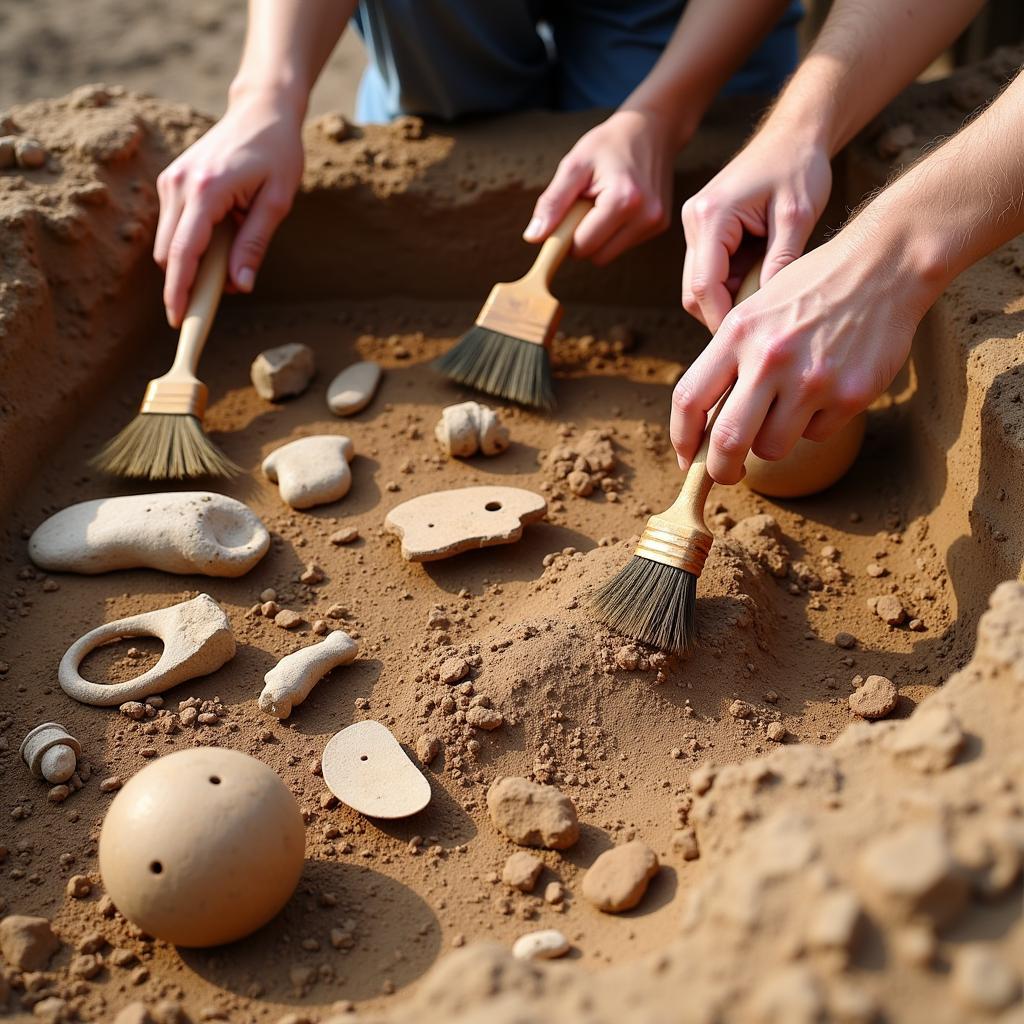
(284, 95)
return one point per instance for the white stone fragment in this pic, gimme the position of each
(51, 752)
(312, 470)
(292, 679)
(353, 389)
(181, 532)
(469, 427)
(547, 944)
(283, 371)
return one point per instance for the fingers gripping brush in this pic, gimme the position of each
(654, 598)
(166, 440)
(506, 352)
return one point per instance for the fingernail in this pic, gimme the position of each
(533, 230)
(246, 278)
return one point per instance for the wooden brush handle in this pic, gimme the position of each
(203, 302)
(557, 245)
(687, 511)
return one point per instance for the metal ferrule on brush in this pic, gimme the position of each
(687, 551)
(175, 398)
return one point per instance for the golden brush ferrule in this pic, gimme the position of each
(175, 398)
(687, 551)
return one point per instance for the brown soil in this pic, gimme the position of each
(779, 831)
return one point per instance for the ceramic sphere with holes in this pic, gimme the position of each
(202, 847)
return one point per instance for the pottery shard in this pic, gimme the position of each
(876, 698)
(547, 944)
(533, 815)
(292, 679)
(197, 641)
(184, 532)
(910, 875)
(469, 427)
(929, 741)
(27, 943)
(353, 389)
(619, 878)
(312, 470)
(283, 371)
(366, 768)
(521, 871)
(446, 523)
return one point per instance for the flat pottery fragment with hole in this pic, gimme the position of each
(365, 767)
(197, 640)
(446, 523)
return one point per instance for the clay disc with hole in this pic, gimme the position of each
(446, 523)
(365, 767)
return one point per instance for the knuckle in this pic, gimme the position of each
(771, 449)
(700, 287)
(793, 211)
(775, 353)
(683, 400)
(704, 206)
(728, 438)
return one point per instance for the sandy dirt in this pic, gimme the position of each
(788, 911)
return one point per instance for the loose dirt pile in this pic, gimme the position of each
(840, 872)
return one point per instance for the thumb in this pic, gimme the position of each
(253, 238)
(788, 232)
(571, 178)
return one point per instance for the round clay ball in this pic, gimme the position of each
(202, 847)
(810, 467)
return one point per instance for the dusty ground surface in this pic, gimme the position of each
(791, 911)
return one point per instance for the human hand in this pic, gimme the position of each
(810, 350)
(776, 189)
(247, 165)
(625, 165)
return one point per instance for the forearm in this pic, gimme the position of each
(287, 43)
(957, 204)
(866, 52)
(710, 43)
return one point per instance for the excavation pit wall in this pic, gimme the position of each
(393, 242)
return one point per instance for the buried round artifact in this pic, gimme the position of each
(197, 641)
(365, 767)
(51, 752)
(312, 470)
(469, 427)
(292, 679)
(202, 847)
(810, 467)
(184, 532)
(446, 523)
(353, 389)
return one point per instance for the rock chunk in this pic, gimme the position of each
(468, 428)
(929, 741)
(312, 470)
(521, 871)
(487, 719)
(910, 875)
(27, 943)
(983, 981)
(761, 536)
(181, 532)
(875, 698)
(292, 679)
(283, 371)
(446, 523)
(353, 389)
(890, 610)
(533, 815)
(547, 944)
(619, 878)
(197, 640)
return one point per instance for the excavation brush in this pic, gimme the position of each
(166, 440)
(654, 598)
(506, 353)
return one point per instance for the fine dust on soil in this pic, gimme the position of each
(621, 742)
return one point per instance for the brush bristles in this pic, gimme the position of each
(501, 365)
(652, 603)
(164, 446)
